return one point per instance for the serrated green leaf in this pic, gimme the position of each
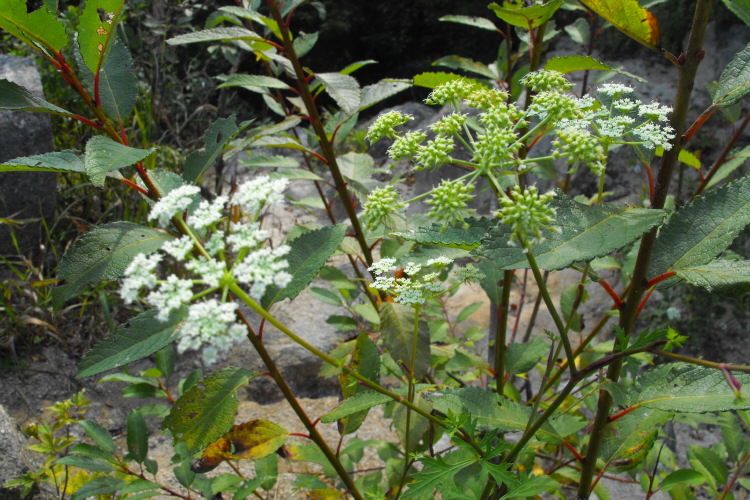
(103, 485)
(88, 463)
(37, 28)
(686, 388)
(89, 450)
(437, 471)
(13, 96)
(736, 160)
(216, 35)
(708, 463)
(254, 82)
(526, 17)
(206, 411)
(586, 233)
(397, 330)
(490, 410)
(683, 476)
(376, 92)
(491, 281)
(351, 68)
(99, 435)
(521, 358)
(465, 64)
(217, 136)
(139, 484)
(432, 80)
(137, 438)
(740, 8)
(296, 174)
(722, 276)
(309, 252)
(734, 82)
(466, 235)
(105, 155)
(133, 340)
(568, 64)
(255, 17)
(104, 253)
(58, 161)
(304, 43)
(364, 401)
(97, 31)
(702, 229)
(477, 22)
(630, 18)
(344, 89)
(628, 439)
(118, 87)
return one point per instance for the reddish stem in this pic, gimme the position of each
(655, 281)
(573, 451)
(615, 298)
(643, 302)
(135, 186)
(624, 412)
(650, 175)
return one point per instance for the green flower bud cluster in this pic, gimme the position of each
(382, 205)
(546, 81)
(451, 92)
(385, 125)
(448, 201)
(528, 213)
(450, 124)
(435, 153)
(406, 146)
(580, 146)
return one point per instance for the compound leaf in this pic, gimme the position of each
(58, 161)
(105, 155)
(703, 229)
(38, 28)
(734, 82)
(96, 31)
(526, 17)
(309, 253)
(206, 410)
(630, 18)
(344, 89)
(217, 136)
(466, 235)
(133, 340)
(251, 441)
(397, 329)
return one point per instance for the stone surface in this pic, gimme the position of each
(24, 196)
(15, 459)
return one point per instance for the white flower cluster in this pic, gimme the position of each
(210, 324)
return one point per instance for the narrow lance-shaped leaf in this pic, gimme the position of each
(734, 82)
(309, 253)
(526, 17)
(133, 340)
(137, 438)
(254, 83)
(376, 92)
(103, 254)
(218, 135)
(703, 229)
(58, 161)
(397, 329)
(206, 411)
(216, 35)
(39, 28)
(13, 96)
(251, 441)
(586, 233)
(477, 22)
(105, 155)
(96, 31)
(630, 18)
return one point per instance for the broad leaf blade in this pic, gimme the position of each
(490, 410)
(630, 18)
(96, 31)
(703, 229)
(40, 27)
(466, 235)
(740, 8)
(521, 358)
(102, 485)
(344, 89)
(118, 87)
(250, 441)
(397, 328)
(365, 361)
(216, 35)
(376, 92)
(687, 388)
(586, 233)
(58, 161)
(105, 155)
(734, 82)
(206, 411)
(13, 96)
(104, 253)
(628, 439)
(526, 17)
(568, 64)
(133, 340)
(477, 22)
(217, 136)
(309, 253)
(723, 276)
(254, 82)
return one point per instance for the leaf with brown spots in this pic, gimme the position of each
(206, 411)
(252, 440)
(630, 18)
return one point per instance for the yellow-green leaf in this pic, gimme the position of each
(526, 17)
(96, 32)
(630, 18)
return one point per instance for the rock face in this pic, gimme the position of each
(24, 195)
(15, 459)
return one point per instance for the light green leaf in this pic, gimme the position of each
(296, 174)
(217, 136)
(37, 28)
(683, 476)
(465, 64)
(97, 28)
(105, 155)
(722, 276)
(437, 471)
(133, 340)
(491, 282)
(58, 161)
(309, 252)
(344, 89)
(736, 160)
(568, 64)
(630, 18)
(304, 43)
(88, 463)
(708, 463)
(259, 161)
(490, 410)
(432, 80)
(687, 388)
(466, 235)
(103, 254)
(103, 485)
(628, 439)
(206, 411)
(734, 82)
(397, 330)
(216, 35)
(254, 82)
(526, 17)
(377, 92)
(351, 68)
(477, 22)
(255, 17)
(740, 8)
(98, 434)
(586, 233)
(702, 229)
(118, 87)
(13, 96)
(521, 358)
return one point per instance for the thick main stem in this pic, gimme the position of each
(630, 309)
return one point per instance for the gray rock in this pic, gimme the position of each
(24, 195)
(15, 459)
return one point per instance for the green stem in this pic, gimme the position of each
(687, 72)
(703, 362)
(410, 396)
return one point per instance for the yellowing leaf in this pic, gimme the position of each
(252, 440)
(324, 495)
(630, 18)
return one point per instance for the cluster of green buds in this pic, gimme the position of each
(528, 213)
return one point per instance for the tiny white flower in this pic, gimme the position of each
(613, 89)
(383, 266)
(206, 322)
(251, 195)
(179, 247)
(211, 271)
(170, 296)
(248, 235)
(440, 262)
(654, 111)
(262, 268)
(208, 213)
(383, 283)
(412, 269)
(173, 203)
(215, 243)
(141, 272)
